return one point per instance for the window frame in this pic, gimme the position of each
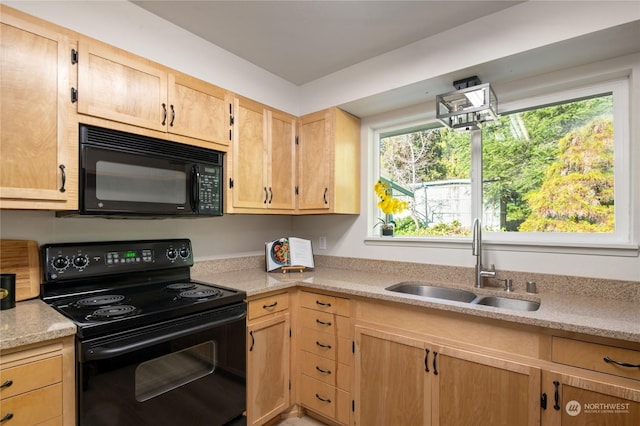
(621, 242)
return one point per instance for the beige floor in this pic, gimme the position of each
(303, 421)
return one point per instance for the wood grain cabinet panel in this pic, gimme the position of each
(328, 163)
(38, 165)
(268, 369)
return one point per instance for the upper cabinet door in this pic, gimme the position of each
(315, 165)
(197, 109)
(120, 86)
(38, 167)
(281, 165)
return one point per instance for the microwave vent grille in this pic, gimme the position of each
(123, 141)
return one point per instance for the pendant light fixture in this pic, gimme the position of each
(471, 104)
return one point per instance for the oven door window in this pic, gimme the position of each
(163, 374)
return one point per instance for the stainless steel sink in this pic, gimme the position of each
(507, 303)
(426, 290)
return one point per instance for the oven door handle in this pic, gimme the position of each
(130, 345)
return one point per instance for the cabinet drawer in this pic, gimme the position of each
(322, 302)
(34, 407)
(320, 368)
(312, 319)
(593, 356)
(322, 344)
(30, 376)
(318, 396)
(267, 305)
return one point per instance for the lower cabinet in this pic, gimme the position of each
(38, 385)
(268, 346)
(410, 381)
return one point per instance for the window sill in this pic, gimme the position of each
(618, 250)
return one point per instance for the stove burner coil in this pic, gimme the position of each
(107, 299)
(112, 312)
(180, 286)
(200, 294)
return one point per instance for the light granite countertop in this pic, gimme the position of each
(612, 318)
(32, 321)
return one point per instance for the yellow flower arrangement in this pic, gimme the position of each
(388, 204)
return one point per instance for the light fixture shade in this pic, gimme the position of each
(464, 109)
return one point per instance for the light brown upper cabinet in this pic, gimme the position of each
(116, 85)
(38, 165)
(328, 155)
(261, 163)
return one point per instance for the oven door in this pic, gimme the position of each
(189, 371)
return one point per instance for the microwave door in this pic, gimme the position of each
(117, 182)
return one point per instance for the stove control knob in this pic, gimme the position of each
(60, 263)
(80, 262)
(172, 253)
(184, 253)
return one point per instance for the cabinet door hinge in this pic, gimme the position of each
(296, 189)
(543, 401)
(289, 332)
(74, 56)
(289, 384)
(297, 140)
(353, 346)
(230, 135)
(353, 405)
(230, 183)
(74, 95)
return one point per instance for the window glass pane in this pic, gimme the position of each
(429, 168)
(551, 169)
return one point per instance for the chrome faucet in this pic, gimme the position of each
(476, 250)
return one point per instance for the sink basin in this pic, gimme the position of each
(426, 290)
(506, 303)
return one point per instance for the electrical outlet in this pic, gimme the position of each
(322, 243)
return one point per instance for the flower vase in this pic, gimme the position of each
(387, 230)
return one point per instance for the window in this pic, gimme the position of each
(553, 169)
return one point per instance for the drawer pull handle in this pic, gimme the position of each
(322, 303)
(273, 305)
(9, 416)
(322, 345)
(327, 400)
(620, 363)
(6, 384)
(556, 395)
(323, 371)
(323, 323)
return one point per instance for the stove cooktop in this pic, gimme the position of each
(107, 287)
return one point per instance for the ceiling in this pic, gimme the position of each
(301, 41)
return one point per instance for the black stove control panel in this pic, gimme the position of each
(77, 260)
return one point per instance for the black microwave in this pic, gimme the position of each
(124, 174)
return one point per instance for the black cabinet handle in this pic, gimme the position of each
(322, 303)
(64, 178)
(252, 341)
(543, 401)
(323, 323)
(6, 384)
(266, 195)
(270, 195)
(426, 360)
(323, 345)
(9, 416)
(435, 364)
(325, 195)
(323, 371)
(173, 115)
(556, 395)
(620, 363)
(327, 400)
(164, 114)
(273, 305)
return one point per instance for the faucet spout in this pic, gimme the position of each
(476, 249)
